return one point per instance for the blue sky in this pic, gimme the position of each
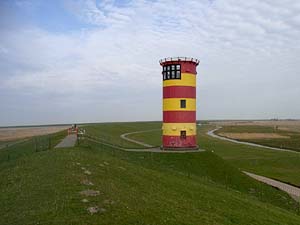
(88, 61)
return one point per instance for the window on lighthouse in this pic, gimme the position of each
(171, 72)
(183, 103)
(183, 134)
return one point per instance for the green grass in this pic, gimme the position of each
(44, 188)
(135, 188)
(4, 144)
(152, 137)
(110, 132)
(292, 143)
(247, 129)
(284, 166)
(28, 147)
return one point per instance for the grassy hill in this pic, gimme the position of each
(46, 187)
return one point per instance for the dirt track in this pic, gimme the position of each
(212, 134)
(294, 192)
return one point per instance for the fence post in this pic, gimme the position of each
(35, 144)
(49, 142)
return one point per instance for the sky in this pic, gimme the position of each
(74, 61)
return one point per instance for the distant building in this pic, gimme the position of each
(179, 102)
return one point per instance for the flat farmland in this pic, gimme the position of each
(280, 134)
(16, 133)
(287, 125)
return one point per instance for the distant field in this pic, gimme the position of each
(26, 147)
(11, 134)
(287, 125)
(49, 187)
(264, 135)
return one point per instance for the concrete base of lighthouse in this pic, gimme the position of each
(180, 148)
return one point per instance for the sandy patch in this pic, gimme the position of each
(122, 168)
(107, 201)
(95, 209)
(9, 134)
(87, 182)
(90, 193)
(87, 172)
(248, 136)
(290, 128)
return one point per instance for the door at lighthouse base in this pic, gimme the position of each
(183, 138)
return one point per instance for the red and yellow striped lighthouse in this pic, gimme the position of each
(179, 102)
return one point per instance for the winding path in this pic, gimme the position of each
(155, 149)
(293, 191)
(212, 134)
(149, 148)
(123, 136)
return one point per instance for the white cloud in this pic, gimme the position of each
(245, 47)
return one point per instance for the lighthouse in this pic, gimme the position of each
(179, 103)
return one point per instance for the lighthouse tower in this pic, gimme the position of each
(179, 103)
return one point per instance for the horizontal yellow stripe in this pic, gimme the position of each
(173, 104)
(187, 79)
(173, 129)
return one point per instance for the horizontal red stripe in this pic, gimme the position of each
(178, 142)
(186, 67)
(179, 92)
(179, 116)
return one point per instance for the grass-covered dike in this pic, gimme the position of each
(133, 188)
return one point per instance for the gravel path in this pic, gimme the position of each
(154, 149)
(212, 134)
(68, 141)
(294, 192)
(123, 136)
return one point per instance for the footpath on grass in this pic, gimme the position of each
(124, 136)
(294, 192)
(212, 134)
(147, 147)
(68, 141)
